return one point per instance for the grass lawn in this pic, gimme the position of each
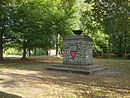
(29, 79)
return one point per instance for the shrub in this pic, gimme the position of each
(128, 56)
(13, 51)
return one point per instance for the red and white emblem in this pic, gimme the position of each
(73, 51)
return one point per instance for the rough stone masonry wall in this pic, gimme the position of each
(81, 47)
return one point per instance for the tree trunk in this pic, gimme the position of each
(57, 49)
(57, 45)
(24, 50)
(120, 53)
(1, 46)
(35, 51)
(47, 52)
(125, 45)
(29, 52)
(109, 43)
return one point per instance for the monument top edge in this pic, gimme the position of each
(79, 37)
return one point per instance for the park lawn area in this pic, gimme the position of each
(29, 79)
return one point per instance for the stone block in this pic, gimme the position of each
(78, 50)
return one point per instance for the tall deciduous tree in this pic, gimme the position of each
(62, 15)
(38, 23)
(112, 16)
(28, 23)
(5, 21)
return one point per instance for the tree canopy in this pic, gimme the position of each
(28, 24)
(111, 17)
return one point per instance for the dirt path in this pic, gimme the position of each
(32, 84)
(49, 84)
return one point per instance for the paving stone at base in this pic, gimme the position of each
(82, 69)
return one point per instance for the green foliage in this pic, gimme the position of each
(6, 10)
(44, 24)
(12, 51)
(39, 52)
(38, 23)
(110, 17)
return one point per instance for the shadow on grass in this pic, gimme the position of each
(77, 82)
(30, 63)
(32, 60)
(6, 95)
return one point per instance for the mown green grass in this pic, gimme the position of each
(24, 66)
(6, 95)
(122, 65)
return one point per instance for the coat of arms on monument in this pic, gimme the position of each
(73, 51)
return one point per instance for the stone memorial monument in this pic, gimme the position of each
(77, 55)
(78, 49)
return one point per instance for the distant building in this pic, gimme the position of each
(52, 52)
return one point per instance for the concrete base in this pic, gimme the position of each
(81, 69)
